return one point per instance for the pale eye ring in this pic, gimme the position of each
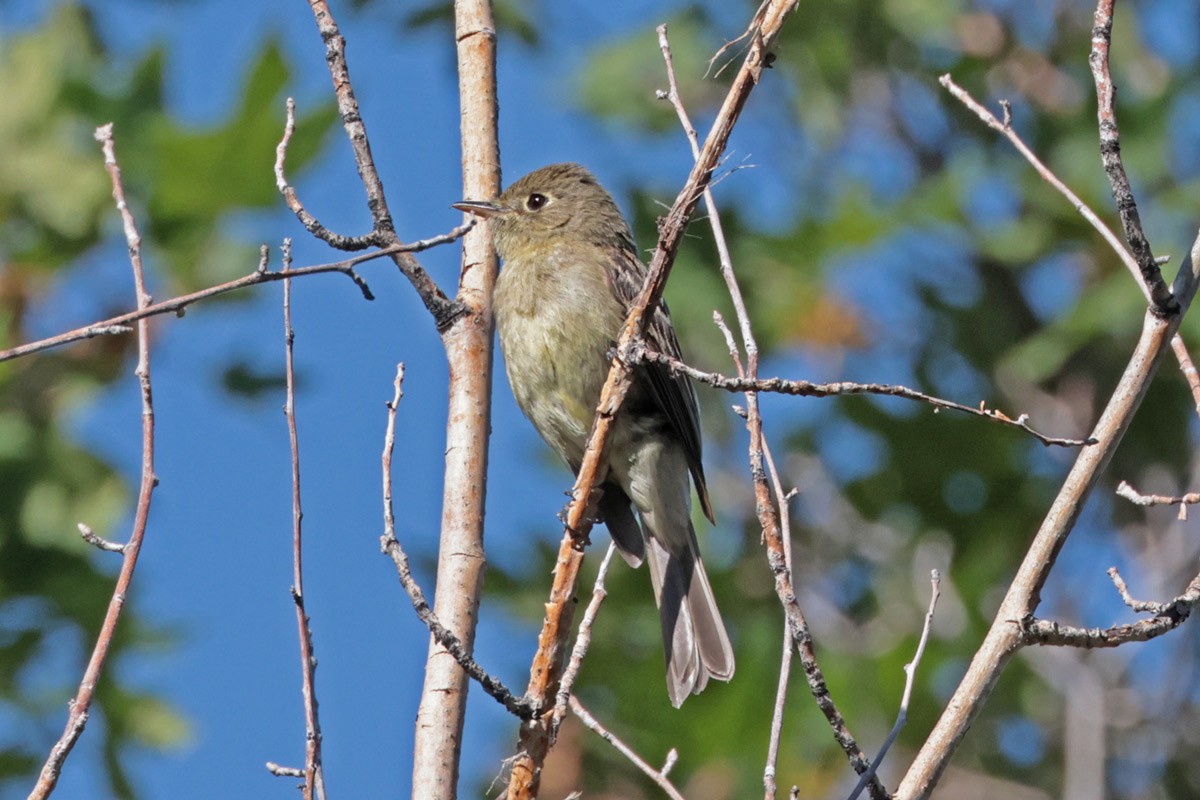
(536, 201)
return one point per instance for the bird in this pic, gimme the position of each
(569, 277)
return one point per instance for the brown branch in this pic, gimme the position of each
(176, 305)
(81, 703)
(659, 776)
(808, 389)
(1110, 157)
(583, 640)
(443, 310)
(390, 546)
(801, 635)
(314, 773)
(1007, 634)
(546, 670)
(785, 658)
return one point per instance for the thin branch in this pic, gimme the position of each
(1137, 498)
(547, 666)
(1139, 606)
(785, 657)
(99, 542)
(1024, 594)
(1167, 617)
(81, 703)
(1005, 128)
(910, 676)
(176, 305)
(656, 775)
(311, 223)
(314, 773)
(808, 389)
(1188, 367)
(390, 546)
(280, 771)
(1152, 291)
(583, 639)
(443, 310)
(1110, 157)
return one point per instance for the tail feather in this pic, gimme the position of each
(694, 638)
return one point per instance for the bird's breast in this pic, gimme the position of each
(557, 319)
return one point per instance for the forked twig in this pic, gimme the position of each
(659, 776)
(390, 546)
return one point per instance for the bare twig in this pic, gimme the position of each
(176, 305)
(280, 771)
(310, 223)
(1152, 291)
(910, 675)
(314, 774)
(808, 389)
(547, 666)
(100, 542)
(785, 657)
(656, 775)
(1188, 367)
(1005, 128)
(1167, 617)
(443, 310)
(390, 545)
(583, 639)
(1139, 606)
(1137, 498)
(81, 703)
(1110, 156)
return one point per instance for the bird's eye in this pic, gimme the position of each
(536, 201)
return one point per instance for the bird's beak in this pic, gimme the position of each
(480, 208)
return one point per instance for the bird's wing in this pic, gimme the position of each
(674, 394)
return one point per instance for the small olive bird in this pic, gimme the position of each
(571, 273)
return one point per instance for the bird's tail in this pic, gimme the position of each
(697, 646)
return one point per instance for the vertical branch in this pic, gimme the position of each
(81, 703)
(468, 344)
(314, 775)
